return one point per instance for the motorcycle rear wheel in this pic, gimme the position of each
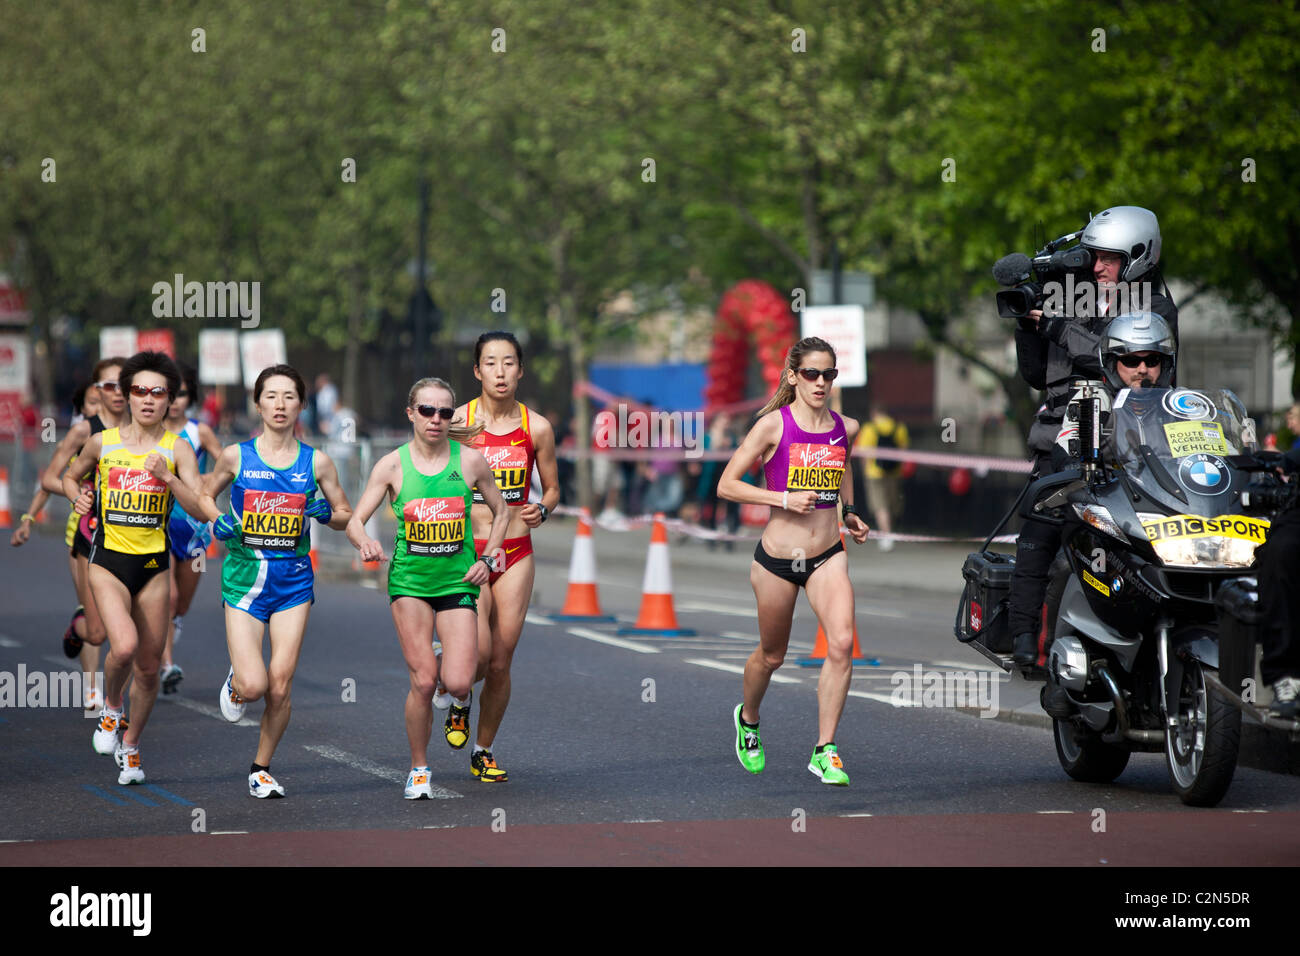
(1086, 757)
(1201, 746)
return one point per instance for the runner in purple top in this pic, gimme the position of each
(804, 448)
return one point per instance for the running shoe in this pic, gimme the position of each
(171, 676)
(828, 767)
(232, 705)
(749, 745)
(93, 698)
(71, 643)
(456, 727)
(128, 761)
(485, 768)
(263, 785)
(417, 784)
(1286, 698)
(106, 731)
(441, 699)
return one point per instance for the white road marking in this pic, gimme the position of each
(737, 669)
(213, 712)
(226, 832)
(541, 619)
(704, 606)
(643, 821)
(370, 767)
(369, 583)
(17, 841)
(876, 675)
(882, 698)
(440, 826)
(959, 665)
(753, 639)
(847, 815)
(1053, 811)
(612, 641)
(1250, 811)
(883, 612)
(7, 641)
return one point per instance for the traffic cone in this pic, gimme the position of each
(581, 603)
(657, 615)
(315, 557)
(213, 552)
(372, 529)
(818, 655)
(6, 519)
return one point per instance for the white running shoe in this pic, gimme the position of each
(885, 544)
(106, 731)
(171, 677)
(263, 785)
(417, 784)
(441, 699)
(232, 705)
(128, 759)
(93, 698)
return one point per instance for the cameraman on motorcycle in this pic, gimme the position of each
(1052, 353)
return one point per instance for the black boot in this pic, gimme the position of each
(1055, 700)
(1024, 651)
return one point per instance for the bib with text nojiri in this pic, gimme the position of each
(510, 457)
(132, 504)
(434, 525)
(809, 461)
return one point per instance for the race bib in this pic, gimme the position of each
(816, 468)
(1196, 438)
(134, 499)
(434, 526)
(273, 520)
(509, 464)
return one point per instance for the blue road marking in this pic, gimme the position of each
(154, 788)
(127, 791)
(103, 793)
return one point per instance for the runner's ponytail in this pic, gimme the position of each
(461, 433)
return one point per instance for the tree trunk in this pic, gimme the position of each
(352, 350)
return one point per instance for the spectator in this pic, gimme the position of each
(721, 438)
(884, 483)
(1293, 425)
(326, 399)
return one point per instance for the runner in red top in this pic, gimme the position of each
(515, 441)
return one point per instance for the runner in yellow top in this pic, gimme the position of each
(139, 466)
(884, 476)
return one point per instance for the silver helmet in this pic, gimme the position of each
(1136, 332)
(1131, 231)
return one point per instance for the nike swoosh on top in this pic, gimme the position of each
(520, 442)
(834, 440)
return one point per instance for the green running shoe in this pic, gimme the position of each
(828, 766)
(749, 745)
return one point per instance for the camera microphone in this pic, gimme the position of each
(1012, 269)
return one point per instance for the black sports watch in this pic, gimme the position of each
(545, 514)
(849, 509)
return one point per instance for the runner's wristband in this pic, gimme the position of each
(25, 517)
(848, 509)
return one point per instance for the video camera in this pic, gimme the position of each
(1026, 277)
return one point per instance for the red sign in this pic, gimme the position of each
(13, 304)
(156, 340)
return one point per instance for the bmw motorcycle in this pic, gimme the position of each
(1148, 618)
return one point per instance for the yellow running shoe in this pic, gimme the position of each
(485, 768)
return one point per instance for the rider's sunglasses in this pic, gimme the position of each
(1150, 360)
(812, 374)
(141, 391)
(428, 411)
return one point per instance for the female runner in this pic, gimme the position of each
(188, 537)
(802, 444)
(514, 440)
(434, 580)
(266, 576)
(139, 467)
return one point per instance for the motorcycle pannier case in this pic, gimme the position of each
(983, 613)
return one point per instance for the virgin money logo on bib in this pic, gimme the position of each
(509, 464)
(816, 467)
(273, 520)
(134, 498)
(434, 526)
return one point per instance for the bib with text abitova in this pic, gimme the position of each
(434, 526)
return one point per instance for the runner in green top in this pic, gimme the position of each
(434, 578)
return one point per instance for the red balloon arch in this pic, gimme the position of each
(753, 319)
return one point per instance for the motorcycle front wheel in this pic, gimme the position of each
(1084, 756)
(1202, 743)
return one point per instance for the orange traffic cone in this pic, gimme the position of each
(657, 615)
(818, 655)
(213, 551)
(581, 602)
(315, 557)
(6, 519)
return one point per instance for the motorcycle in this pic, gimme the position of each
(1151, 614)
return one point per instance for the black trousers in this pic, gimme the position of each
(1035, 549)
(1279, 599)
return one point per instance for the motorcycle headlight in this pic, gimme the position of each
(1100, 518)
(1212, 551)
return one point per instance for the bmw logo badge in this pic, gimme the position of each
(1204, 474)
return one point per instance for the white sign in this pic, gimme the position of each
(219, 357)
(261, 350)
(117, 341)
(14, 367)
(845, 328)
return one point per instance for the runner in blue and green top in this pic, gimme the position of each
(434, 579)
(266, 578)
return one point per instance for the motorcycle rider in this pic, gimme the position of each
(1053, 352)
(1137, 350)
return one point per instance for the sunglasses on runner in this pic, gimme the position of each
(141, 391)
(812, 374)
(1149, 360)
(107, 386)
(428, 411)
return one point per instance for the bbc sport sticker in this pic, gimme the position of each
(1196, 438)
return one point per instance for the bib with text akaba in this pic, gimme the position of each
(272, 520)
(434, 526)
(134, 499)
(509, 464)
(816, 468)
